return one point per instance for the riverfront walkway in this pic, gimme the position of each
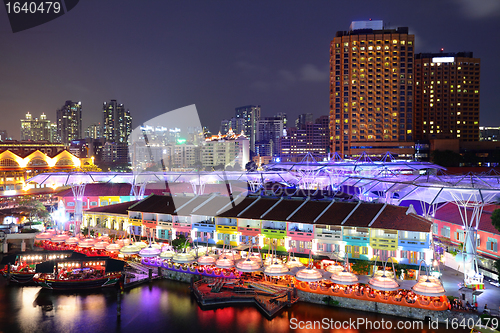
(217, 292)
(138, 274)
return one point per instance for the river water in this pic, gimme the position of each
(167, 306)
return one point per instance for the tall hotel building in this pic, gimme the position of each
(35, 129)
(447, 96)
(250, 115)
(116, 122)
(69, 122)
(371, 90)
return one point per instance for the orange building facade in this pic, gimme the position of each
(371, 91)
(447, 96)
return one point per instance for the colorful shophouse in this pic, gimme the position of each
(449, 232)
(113, 219)
(365, 231)
(96, 195)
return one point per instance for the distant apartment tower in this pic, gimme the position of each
(116, 122)
(93, 131)
(236, 124)
(4, 136)
(447, 96)
(53, 133)
(371, 90)
(269, 130)
(312, 138)
(250, 115)
(69, 122)
(35, 129)
(489, 133)
(302, 119)
(225, 125)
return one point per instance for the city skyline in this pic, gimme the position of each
(281, 63)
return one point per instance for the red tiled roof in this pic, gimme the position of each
(395, 218)
(450, 213)
(163, 204)
(490, 208)
(213, 205)
(120, 208)
(309, 212)
(336, 213)
(233, 212)
(193, 203)
(466, 170)
(363, 215)
(101, 189)
(258, 209)
(283, 210)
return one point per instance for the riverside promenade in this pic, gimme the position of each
(221, 292)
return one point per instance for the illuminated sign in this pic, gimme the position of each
(443, 59)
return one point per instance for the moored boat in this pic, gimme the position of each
(78, 274)
(20, 268)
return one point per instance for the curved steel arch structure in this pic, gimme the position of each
(390, 182)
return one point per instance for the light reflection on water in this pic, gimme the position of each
(165, 306)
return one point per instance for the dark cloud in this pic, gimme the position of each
(479, 9)
(158, 56)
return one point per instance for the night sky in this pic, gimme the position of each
(156, 56)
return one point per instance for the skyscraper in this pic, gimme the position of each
(116, 122)
(4, 136)
(371, 90)
(447, 96)
(269, 130)
(53, 133)
(35, 129)
(302, 119)
(250, 115)
(311, 138)
(93, 131)
(69, 122)
(236, 124)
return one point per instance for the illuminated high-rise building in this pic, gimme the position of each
(250, 115)
(116, 122)
(371, 90)
(269, 130)
(53, 133)
(447, 96)
(236, 124)
(69, 122)
(303, 119)
(310, 138)
(35, 129)
(93, 131)
(4, 136)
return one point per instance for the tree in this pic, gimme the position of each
(154, 167)
(237, 167)
(179, 243)
(446, 158)
(35, 209)
(198, 165)
(85, 231)
(91, 168)
(470, 158)
(219, 167)
(251, 166)
(495, 219)
(361, 267)
(497, 267)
